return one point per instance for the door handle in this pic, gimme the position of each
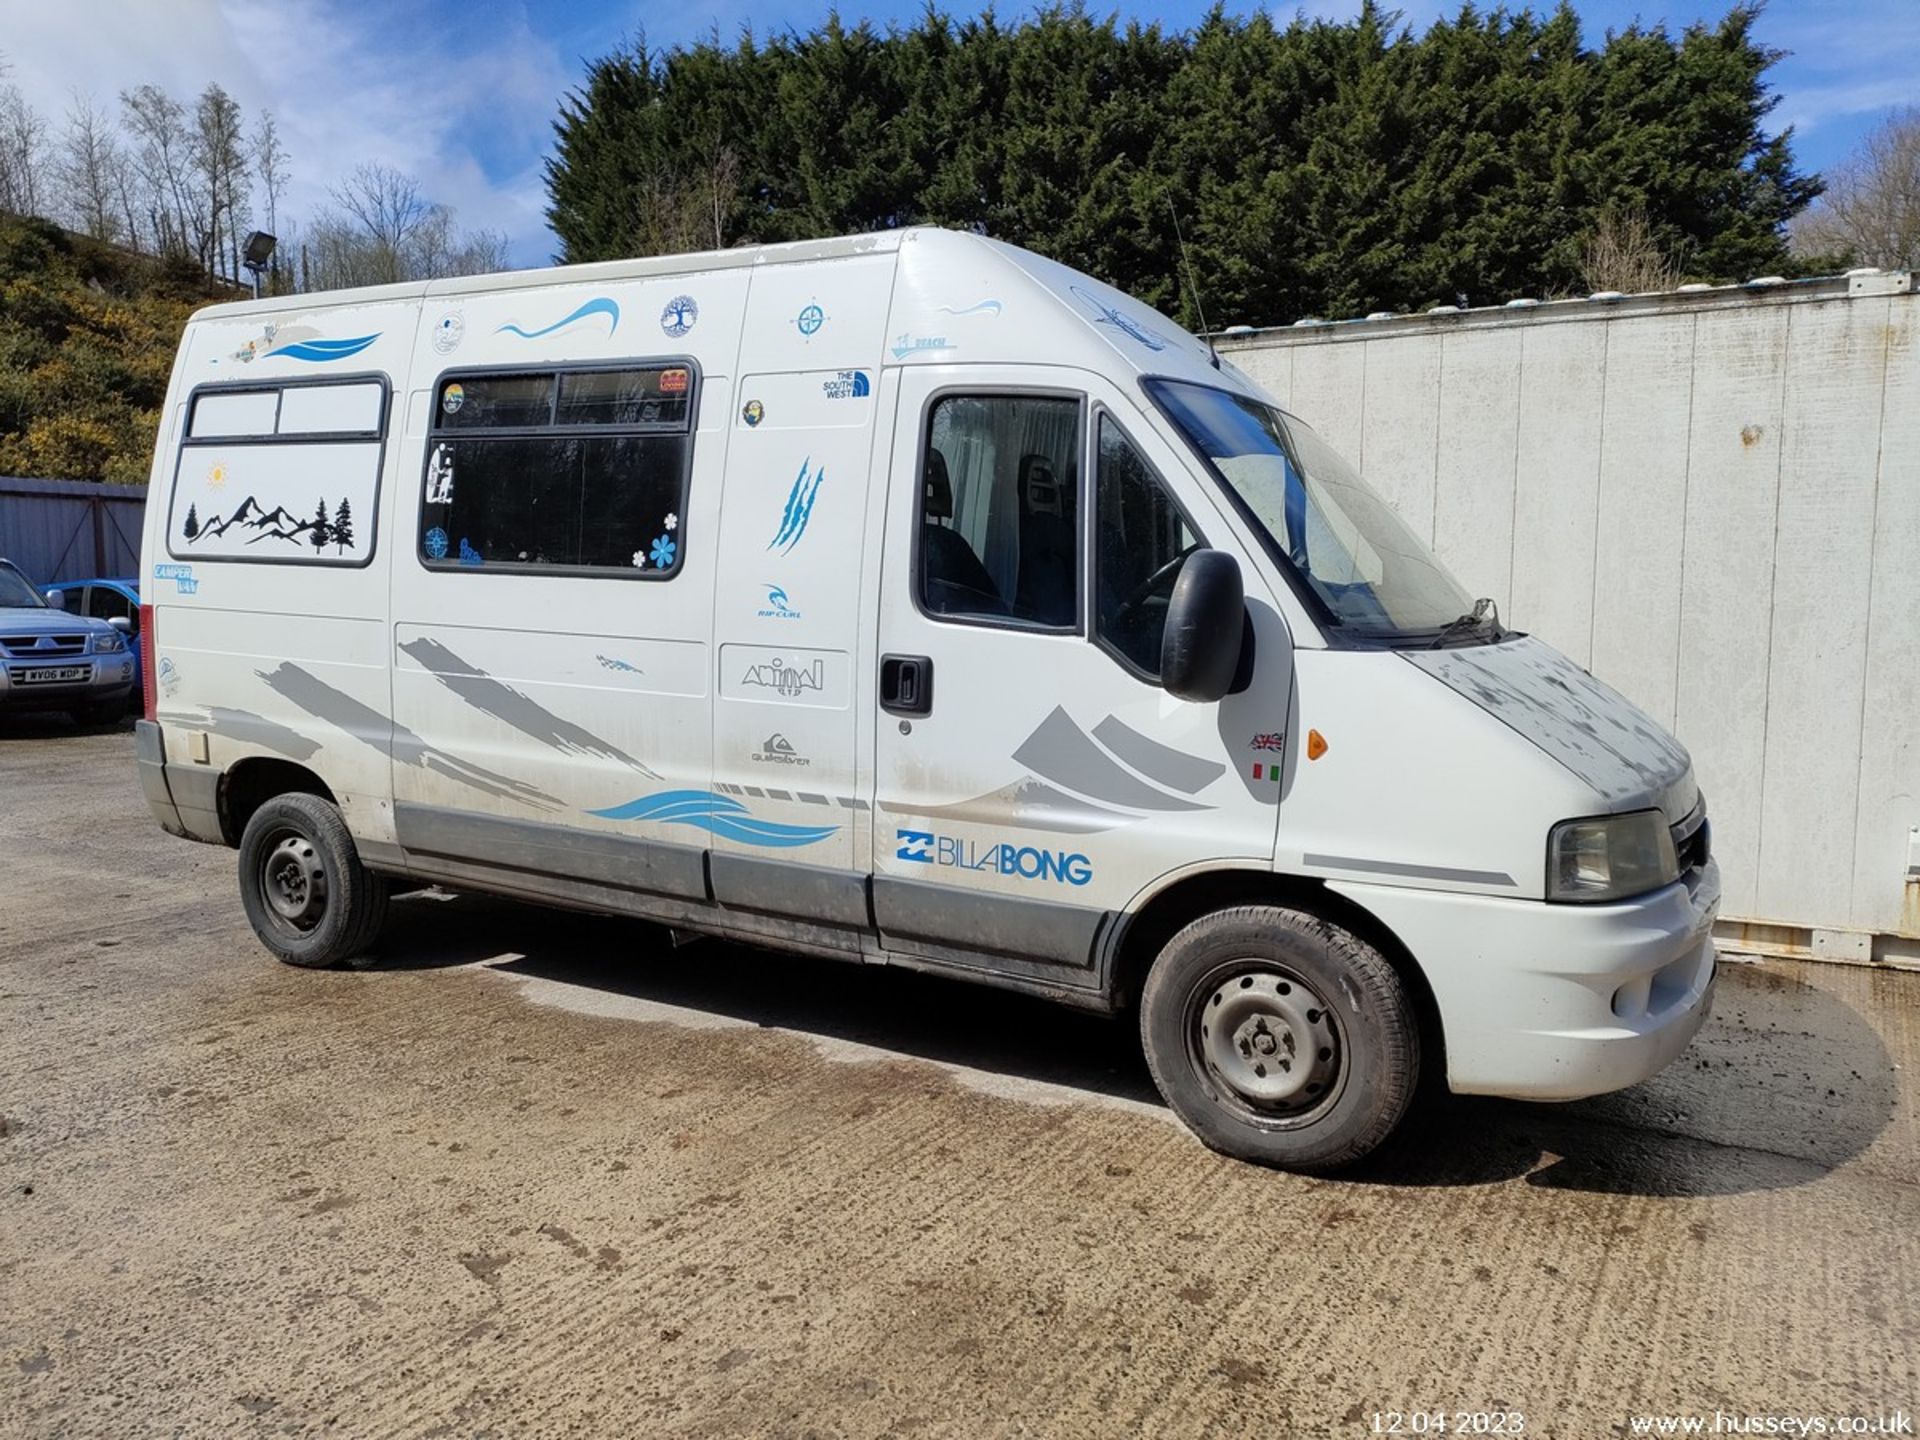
(906, 684)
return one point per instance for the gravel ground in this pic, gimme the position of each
(535, 1174)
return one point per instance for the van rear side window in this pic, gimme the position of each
(571, 471)
(280, 473)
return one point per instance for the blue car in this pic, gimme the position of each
(107, 600)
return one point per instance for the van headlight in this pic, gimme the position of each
(110, 642)
(1611, 857)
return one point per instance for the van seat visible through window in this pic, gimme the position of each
(956, 582)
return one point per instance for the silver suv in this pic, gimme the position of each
(50, 660)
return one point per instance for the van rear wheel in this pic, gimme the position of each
(1280, 1037)
(308, 897)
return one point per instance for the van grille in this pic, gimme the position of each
(28, 647)
(1693, 838)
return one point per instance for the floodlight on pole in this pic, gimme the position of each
(255, 254)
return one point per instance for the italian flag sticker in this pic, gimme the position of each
(1266, 772)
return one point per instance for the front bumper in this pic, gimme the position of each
(108, 677)
(1556, 1002)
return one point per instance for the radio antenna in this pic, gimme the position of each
(1193, 290)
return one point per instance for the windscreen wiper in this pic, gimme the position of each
(1483, 612)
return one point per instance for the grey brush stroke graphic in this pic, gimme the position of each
(512, 707)
(1060, 751)
(370, 728)
(1032, 805)
(1175, 769)
(252, 729)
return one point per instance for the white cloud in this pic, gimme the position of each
(466, 110)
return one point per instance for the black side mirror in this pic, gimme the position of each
(1206, 620)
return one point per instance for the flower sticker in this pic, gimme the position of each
(663, 549)
(673, 522)
(639, 559)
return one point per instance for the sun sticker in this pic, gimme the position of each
(217, 476)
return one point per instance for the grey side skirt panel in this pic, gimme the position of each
(779, 887)
(921, 915)
(619, 861)
(1014, 944)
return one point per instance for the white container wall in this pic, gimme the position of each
(1712, 501)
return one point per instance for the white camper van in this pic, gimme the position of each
(915, 600)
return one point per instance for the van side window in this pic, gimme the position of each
(281, 473)
(560, 471)
(1140, 538)
(999, 515)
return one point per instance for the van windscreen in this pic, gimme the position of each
(1375, 581)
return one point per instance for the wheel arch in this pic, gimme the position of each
(1139, 938)
(250, 783)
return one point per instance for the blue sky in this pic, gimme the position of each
(463, 95)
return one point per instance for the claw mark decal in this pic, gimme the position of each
(793, 520)
(718, 815)
(512, 707)
(371, 728)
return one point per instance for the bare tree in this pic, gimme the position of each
(270, 169)
(23, 161)
(482, 252)
(388, 211)
(1623, 254)
(163, 163)
(90, 171)
(1870, 213)
(220, 163)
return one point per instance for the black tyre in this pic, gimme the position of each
(309, 898)
(1280, 1038)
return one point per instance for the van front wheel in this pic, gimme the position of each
(1279, 1037)
(310, 900)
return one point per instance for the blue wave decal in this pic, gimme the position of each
(321, 350)
(598, 306)
(985, 307)
(718, 815)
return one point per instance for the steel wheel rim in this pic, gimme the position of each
(293, 882)
(1266, 1043)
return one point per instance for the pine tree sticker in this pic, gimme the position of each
(191, 526)
(343, 528)
(321, 529)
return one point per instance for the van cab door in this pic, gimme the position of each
(1033, 778)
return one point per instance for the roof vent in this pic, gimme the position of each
(1308, 321)
(1443, 310)
(1864, 270)
(1523, 303)
(1383, 315)
(1768, 280)
(1694, 287)
(1238, 330)
(1608, 295)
